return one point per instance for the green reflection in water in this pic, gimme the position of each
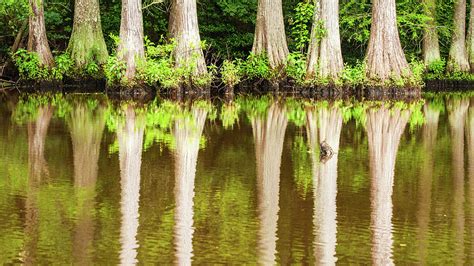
(87, 180)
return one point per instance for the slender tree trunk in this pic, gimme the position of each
(325, 55)
(185, 31)
(130, 138)
(470, 38)
(458, 60)
(457, 113)
(87, 42)
(269, 136)
(37, 40)
(385, 57)
(430, 35)
(384, 130)
(187, 132)
(270, 38)
(131, 48)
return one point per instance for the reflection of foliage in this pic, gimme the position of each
(229, 115)
(27, 107)
(254, 106)
(295, 112)
(301, 166)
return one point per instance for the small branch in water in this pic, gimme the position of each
(326, 152)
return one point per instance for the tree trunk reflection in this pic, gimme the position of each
(38, 170)
(470, 153)
(430, 131)
(130, 138)
(325, 181)
(384, 129)
(86, 127)
(269, 135)
(457, 113)
(187, 132)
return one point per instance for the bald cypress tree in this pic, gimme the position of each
(270, 38)
(87, 42)
(385, 57)
(37, 40)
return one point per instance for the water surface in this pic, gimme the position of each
(87, 180)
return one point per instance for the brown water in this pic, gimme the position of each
(87, 181)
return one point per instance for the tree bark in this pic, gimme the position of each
(430, 35)
(457, 60)
(270, 38)
(131, 47)
(385, 57)
(37, 40)
(470, 38)
(185, 31)
(87, 42)
(325, 55)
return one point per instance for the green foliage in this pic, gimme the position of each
(230, 73)
(296, 67)
(63, 66)
(29, 66)
(353, 75)
(437, 71)
(300, 24)
(256, 67)
(114, 70)
(436, 68)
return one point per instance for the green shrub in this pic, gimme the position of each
(256, 67)
(114, 70)
(28, 65)
(230, 73)
(296, 67)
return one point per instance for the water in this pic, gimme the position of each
(91, 181)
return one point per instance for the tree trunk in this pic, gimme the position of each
(385, 57)
(37, 40)
(470, 38)
(325, 55)
(131, 47)
(430, 35)
(87, 42)
(270, 38)
(184, 29)
(457, 60)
